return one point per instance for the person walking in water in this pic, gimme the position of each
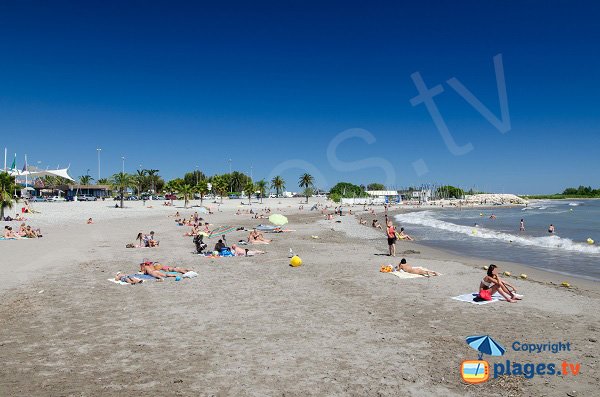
(551, 229)
(522, 226)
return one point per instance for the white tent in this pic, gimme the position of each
(63, 173)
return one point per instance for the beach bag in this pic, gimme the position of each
(225, 252)
(130, 246)
(485, 294)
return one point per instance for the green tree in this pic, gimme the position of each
(239, 181)
(261, 186)
(375, 186)
(103, 181)
(187, 191)
(307, 182)
(85, 180)
(121, 182)
(347, 190)
(140, 180)
(220, 185)
(249, 189)
(278, 184)
(202, 190)
(449, 191)
(194, 177)
(7, 191)
(152, 178)
(171, 187)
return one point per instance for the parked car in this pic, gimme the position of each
(131, 198)
(158, 198)
(56, 198)
(170, 197)
(37, 199)
(86, 197)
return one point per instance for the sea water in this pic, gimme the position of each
(472, 232)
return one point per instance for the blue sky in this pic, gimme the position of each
(173, 85)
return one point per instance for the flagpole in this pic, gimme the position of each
(27, 191)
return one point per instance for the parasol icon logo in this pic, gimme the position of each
(478, 371)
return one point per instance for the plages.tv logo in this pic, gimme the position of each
(478, 371)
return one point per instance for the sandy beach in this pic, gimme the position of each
(256, 326)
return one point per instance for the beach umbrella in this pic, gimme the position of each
(219, 231)
(484, 344)
(278, 219)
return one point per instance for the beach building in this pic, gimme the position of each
(385, 196)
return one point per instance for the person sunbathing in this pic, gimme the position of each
(405, 267)
(362, 221)
(257, 237)
(404, 236)
(129, 279)
(9, 233)
(376, 224)
(492, 283)
(194, 232)
(239, 251)
(90, 221)
(149, 240)
(157, 270)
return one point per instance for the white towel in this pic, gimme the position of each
(469, 298)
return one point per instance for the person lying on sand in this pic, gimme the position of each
(404, 236)
(155, 269)
(257, 237)
(376, 224)
(362, 221)
(491, 284)
(415, 270)
(239, 251)
(90, 221)
(129, 279)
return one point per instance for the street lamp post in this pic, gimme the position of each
(197, 172)
(98, 150)
(123, 166)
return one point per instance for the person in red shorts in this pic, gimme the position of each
(491, 284)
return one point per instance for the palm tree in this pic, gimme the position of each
(121, 182)
(85, 179)
(103, 181)
(202, 189)
(152, 177)
(171, 187)
(307, 182)
(7, 189)
(249, 189)
(187, 191)
(278, 184)
(220, 185)
(261, 186)
(140, 180)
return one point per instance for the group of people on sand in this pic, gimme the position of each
(25, 231)
(154, 269)
(145, 241)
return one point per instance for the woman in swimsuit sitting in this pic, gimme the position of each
(404, 236)
(9, 233)
(491, 284)
(405, 267)
(257, 237)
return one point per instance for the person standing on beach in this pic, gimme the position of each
(522, 226)
(391, 238)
